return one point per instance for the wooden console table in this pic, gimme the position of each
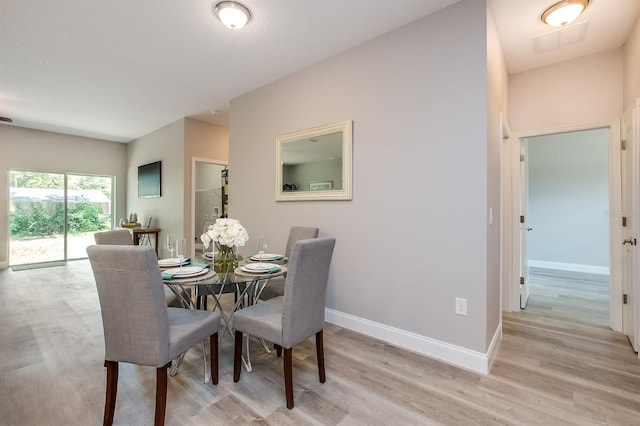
(137, 232)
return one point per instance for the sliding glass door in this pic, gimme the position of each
(89, 202)
(52, 216)
(36, 217)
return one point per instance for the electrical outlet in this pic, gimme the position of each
(461, 306)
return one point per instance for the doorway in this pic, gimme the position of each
(568, 213)
(513, 236)
(568, 201)
(208, 197)
(53, 216)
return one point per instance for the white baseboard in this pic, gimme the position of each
(573, 267)
(446, 352)
(494, 345)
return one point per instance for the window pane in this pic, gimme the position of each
(88, 211)
(36, 217)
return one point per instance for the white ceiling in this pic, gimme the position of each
(529, 43)
(120, 69)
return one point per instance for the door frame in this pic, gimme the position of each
(523, 211)
(195, 160)
(512, 302)
(630, 254)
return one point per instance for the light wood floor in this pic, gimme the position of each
(558, 364)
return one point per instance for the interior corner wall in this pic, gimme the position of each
(166, 212)
(414, 237)
(572, 93)
(497, 81)
(36, 150)
(632, 67)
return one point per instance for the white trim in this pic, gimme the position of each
(494, 345)
(514, 302)
(573, 267)
(615, 227)
(446, 352)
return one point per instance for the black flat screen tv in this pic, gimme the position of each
(149, 178)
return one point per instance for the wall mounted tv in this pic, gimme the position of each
(149, 178)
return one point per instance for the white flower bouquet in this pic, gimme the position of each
(226, 235)
(225, 232)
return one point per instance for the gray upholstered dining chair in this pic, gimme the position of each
(276, 285)
(138, 326)
(122, 237)
(299, 314)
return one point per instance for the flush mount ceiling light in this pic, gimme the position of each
(234, 15)
(564, 12)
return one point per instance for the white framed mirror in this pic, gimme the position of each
(315, 164)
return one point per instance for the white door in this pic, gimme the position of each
(524, 219)
(630, 171)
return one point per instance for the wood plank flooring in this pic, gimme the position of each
(558, 364)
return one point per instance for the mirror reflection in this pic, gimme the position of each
(315, 164)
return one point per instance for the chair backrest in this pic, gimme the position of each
(120, 237)
(133, 305)
(297, 233)
(305, 289)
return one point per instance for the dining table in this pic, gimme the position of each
(247, 281)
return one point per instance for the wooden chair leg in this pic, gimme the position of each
(201, 302)
(213, 357)
(112, 390)
(288, 376)
(161, 395)
(237, 357)
(278, 349)
(320, 355)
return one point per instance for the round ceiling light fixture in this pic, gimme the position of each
(564, 12)
(232, 14)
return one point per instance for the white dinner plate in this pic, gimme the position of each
(187, 271)
(267, 256)
(260, 268)
(165, 263)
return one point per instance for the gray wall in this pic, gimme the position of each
(166, 212)
(569, 199)
(176, 145)
(35, 150)
(414, 237)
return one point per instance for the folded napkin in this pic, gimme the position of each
(168, 275)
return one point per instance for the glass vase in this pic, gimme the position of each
(225, 259)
